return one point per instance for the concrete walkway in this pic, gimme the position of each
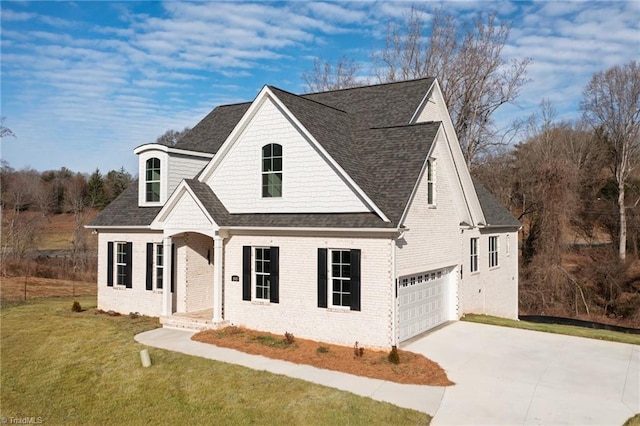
(503, 376)
(421, 398)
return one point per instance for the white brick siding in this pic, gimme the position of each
(491, 291)
(309, 182)
(297, 311)
(137, 298)
(198, 266)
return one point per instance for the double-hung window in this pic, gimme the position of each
(263, 272)
(159, 265)
(272, 170)
(431, 182)
(152, 180)
(119, 259)
(260, 274)
(339, 278)
(493, 252)
(473, 261)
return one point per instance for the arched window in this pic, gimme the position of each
(152, 179)
(272, 170)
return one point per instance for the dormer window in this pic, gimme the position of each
(152, 178)
(272, 170)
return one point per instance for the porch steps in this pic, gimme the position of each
(192, 321)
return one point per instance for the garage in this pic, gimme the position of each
(422, 300)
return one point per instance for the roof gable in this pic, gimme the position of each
(184, 211)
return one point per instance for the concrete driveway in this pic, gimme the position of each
(506, 376)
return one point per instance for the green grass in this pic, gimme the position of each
(569, 330)
(84, 368)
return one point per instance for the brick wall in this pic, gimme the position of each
(137, 298)
(297, 311)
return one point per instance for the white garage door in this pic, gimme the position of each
(422, 302)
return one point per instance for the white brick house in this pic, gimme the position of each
(339, 216)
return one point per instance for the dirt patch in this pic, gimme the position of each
(412, 369)
(13, 288)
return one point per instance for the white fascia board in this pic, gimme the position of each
(264, 94)
(170, 150)
(112, 227)
(420, 176)
(424, 100)
(173, 201)
(233, 136)
(328, 158)
(464, 177)
(308, 229)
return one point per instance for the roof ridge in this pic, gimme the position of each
(398, 126)
(307, 99)
(367, 85)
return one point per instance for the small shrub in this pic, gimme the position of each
(394, 357)
(271, 341)
(76, 307)
(288, 337)
(134, 315)
(322, 350)
(113, 314)
(358, 352)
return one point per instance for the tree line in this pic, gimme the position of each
(575, 185)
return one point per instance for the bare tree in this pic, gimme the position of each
(468, 62)
(5, 131)
(172, 137)
(611, 103)
(325, 76)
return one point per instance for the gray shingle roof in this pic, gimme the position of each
(494, 212)
(365, 130)
(124, 210)
(281, 220)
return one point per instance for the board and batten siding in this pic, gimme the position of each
(491, 291)
(297, 311)
(137, 298)
(310, 184)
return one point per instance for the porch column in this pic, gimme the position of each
(217, 278)
(166, 276)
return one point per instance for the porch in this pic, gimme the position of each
(192, 321)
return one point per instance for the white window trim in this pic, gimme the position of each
(473, 255)
(116, 263)
(330, 304)
(158, 270)
(431, 165)
(496, 251)
(153, 181)
(254, 278)
(263, 173)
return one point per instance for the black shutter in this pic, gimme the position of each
(173, 267)
(274, 291)
(246, 272)
(128, 279)
(110, 263)
(322, 278)
(355, 280)
(149, 266)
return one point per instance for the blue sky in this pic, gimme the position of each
(84, 83)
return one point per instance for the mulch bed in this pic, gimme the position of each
(412, 369)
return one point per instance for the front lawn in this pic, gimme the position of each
(570, 330)
(84, 368)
